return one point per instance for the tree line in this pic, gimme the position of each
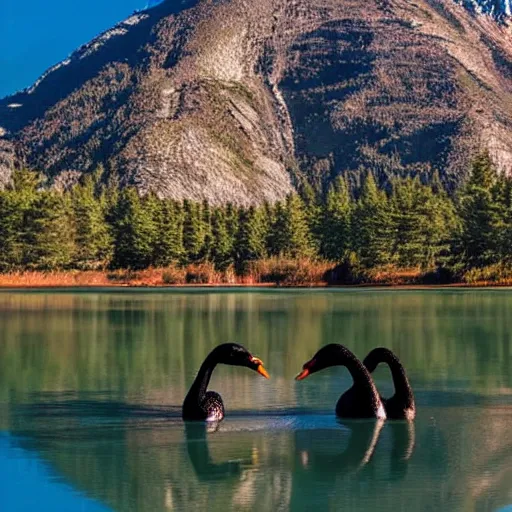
(411, 224)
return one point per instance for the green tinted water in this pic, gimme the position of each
(91, 386)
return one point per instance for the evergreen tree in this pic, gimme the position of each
(441, 225)
(11, 222)
(152, 208)
(109, 197)
(135, 231)
(193, 234)
(93, 237)
(268, 218)
(250, 241)
(313, 211)
(410, 209)
(168, 246)
(480, 217)
(206, 228)
(291, 237)
(15, 201)
(507, 238)
(276, 239)
(49, 232)
(231, 216)
(25, 185)
(222, 246)
(501, 194)
(372, 227)
(337, 213)
(436, 184)
(423, 221)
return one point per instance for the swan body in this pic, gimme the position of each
(362, 400)
(214, 406)
(202, 405)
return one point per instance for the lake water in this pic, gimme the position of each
(91, 386)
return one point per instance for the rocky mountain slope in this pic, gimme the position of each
(233, 100)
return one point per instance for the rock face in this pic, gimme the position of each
(6, 162)
(233, 100)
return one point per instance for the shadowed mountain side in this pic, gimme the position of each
(221, 100)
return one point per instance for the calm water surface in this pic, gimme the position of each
(91, 385)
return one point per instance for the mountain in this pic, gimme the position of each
(236, 100)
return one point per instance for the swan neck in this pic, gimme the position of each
(360, 375)
(401, 382)
(200, 384)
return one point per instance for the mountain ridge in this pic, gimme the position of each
(223, 101)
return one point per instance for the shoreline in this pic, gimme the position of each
(165, 279)
(261, 286)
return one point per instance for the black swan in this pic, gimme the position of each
(200, 405)
(362, 400)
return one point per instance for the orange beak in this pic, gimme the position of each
(261, 370)
(303, 374)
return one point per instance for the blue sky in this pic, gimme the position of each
(35, 34)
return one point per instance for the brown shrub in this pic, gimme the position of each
(286, 272)
(202, 273)
(391, 275)
(498, 274)
(174, 275)
(123, 276)
(229, 276)
(35, 279)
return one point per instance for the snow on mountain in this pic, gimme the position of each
(498, 9)
(153, 3)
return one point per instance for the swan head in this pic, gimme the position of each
(325, 357)
(237, 355)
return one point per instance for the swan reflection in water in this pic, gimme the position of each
(403, 438)
(318, 449)
(326, 459)
(205, 468)
(315, 451)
